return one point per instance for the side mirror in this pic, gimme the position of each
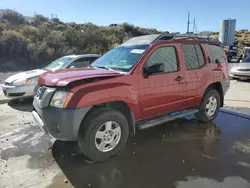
(155, 68)
(72, 67)
(217, 61)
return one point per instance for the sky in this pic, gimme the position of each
(164, 15)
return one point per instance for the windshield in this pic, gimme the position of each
(121, 58)
(58, 63)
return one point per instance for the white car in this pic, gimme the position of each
(23, 84)
(241, 70)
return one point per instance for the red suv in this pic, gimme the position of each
(136, 85)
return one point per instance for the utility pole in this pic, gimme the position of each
(188, 23)
(194, 26)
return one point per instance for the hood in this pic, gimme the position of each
(25, 75)
(64, 77)
(241, 66)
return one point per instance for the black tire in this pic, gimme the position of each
(86, 137)
(202, 115)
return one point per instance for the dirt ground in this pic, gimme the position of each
(183, 153)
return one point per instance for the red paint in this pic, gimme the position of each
(145, 96)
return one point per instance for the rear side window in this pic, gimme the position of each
(216, 52)
(165, 55)
(194, 58)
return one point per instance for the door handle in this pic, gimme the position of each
(179, 78)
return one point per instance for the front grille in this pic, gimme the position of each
(246, 76)
(243, 69)
(40, 91)
(16, 94)
(43, 95)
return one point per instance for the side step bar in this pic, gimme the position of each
(157, 121)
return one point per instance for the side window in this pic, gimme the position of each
(166, 56)
(82, 62)
(216, 52)
(200, 55)
(194, 58)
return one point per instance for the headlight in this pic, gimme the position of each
(60, 99)
(21, 82)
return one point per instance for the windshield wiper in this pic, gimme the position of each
(102, 67)
(107, 68)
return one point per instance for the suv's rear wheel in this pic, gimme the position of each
(103, 134)
(209, 107)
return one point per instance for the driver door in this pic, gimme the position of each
(162, 92)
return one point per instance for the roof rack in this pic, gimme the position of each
(149, 39)
(164, 37)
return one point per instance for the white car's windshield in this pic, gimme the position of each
(58, 63)
(121, 58)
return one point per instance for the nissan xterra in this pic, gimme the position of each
(134, 86)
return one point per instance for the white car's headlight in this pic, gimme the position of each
(20, 82)
(60, 99)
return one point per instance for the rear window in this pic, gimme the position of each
(216, 52)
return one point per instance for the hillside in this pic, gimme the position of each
(44, 39)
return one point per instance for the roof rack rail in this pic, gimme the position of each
(164, 37)
(154, 38)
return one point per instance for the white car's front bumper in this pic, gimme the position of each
(18, 91)
(240, 74)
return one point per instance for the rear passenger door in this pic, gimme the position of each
(196, 71)
(161, 92)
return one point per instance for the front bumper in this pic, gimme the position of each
(225, 85)
(62, 124)
(18, 91)
(240, 74)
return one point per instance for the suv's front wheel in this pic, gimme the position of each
(103, 134)
(209, 107)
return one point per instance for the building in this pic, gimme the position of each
(204, 33)
(227, 32)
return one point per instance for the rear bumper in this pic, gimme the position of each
(62, 124)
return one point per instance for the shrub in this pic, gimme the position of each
(39, 19)
(3, 26)
(30, 32)
(55, 39)
(13, 17)
(14, 43)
